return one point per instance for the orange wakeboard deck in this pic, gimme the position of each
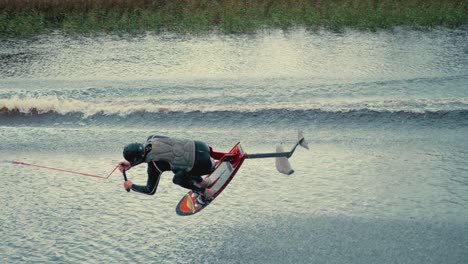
(220, 178)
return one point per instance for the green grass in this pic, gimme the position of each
(28, 17)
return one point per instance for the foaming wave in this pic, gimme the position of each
(295, 118)
(38, 106)
(55, 110)
(48, 105)
(128, 106)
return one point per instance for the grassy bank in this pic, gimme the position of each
(26, 17)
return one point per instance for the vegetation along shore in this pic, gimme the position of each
(26, 17)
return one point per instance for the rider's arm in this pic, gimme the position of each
(155, 169)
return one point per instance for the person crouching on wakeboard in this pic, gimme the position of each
(189, 160)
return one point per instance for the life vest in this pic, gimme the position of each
(179, 153)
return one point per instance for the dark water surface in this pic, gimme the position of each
(385, 114)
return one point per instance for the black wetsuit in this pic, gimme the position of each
(202, 166)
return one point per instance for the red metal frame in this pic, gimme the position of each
(236, 157)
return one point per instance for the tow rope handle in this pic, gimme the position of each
(125, 178)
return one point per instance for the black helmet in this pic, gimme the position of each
(134, 153)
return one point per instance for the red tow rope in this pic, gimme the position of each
(62, 170)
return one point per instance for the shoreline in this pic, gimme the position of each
(26, 18)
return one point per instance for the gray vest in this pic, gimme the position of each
(179, 153)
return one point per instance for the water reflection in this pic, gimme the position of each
(352, 54)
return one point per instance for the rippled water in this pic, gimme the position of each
(385, 114)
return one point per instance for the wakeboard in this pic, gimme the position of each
(224, 171)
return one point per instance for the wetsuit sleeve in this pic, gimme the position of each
(155, 170)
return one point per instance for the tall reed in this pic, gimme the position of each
(24, 17)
